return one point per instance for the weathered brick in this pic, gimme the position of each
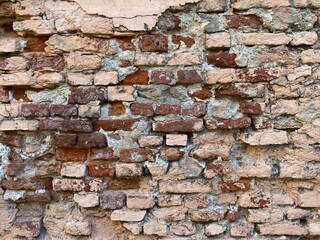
(42, 196)
(241, 90)
(310, 56)
(306, 3)
(265, 215)
(77, 185)
(188, 77)
(246, 4)
(13, 140)
(243, 184)
(125, 43)
(112, 200)
(35, 110)
(15, 168)
(128, 215)
(203, 94)
(23, 125)
(171, 154)
(228, 123)
(153, 43)
(243, 21)
(89, 111)
(169, 23)
(102, 154)
(36, 44)
(205, 215)
(140, 77)
(47, 169)
(7, 10)
(64, 140)
(83, 62)
(4, 95)
(116, 109)
(140, 201)
(47, 63)
(135, 155)
(208, 6)
(76, 79)
(71, 169)
(143, 109)
(114, 125)
(124, 183)
(270, 39)
(105, 78)
(223, 59)
(28, 184)
(13, 63)
(71, 154)
(155, 227)
(150, 141)
(37, 27)
(65, 125)
(185, 59)
(218, 41)
(267, 137)
(242, 229)
(169, 200)
(213, 229)
(19, 78)
(129, 169)
(196, 201)
(76, 228)
(121, 93)
(11, 45)
(28, 229)
(86, 200)
(166, 109)
(198, 109)
(185, 186)
(304, 38)
(188, 41)
(176, 139)
(149, 59)
(250, 108)
(282, 229)
(162, 77)
(91, 140)
(63, 110)
(85, 95)
(309, 199)
(178, 126)
(100, 169)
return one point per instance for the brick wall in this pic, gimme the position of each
(192, 120)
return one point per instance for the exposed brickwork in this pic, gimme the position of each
(185, 119)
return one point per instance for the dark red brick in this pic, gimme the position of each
(35, 110)
(243, 184)
(240, 91)
(92, 140)
(140, 77)
(4, 95)
(251, 108)
(112, 200)
(153, 43)
(7, 10)
(188, 41)
(242, 21)
(13, 140)
(125, 43)
(64, 140)
(114, 125)
(85, 95)
(116, 109)
(36, 44)
(71, 154)
(136, 155)
(101, 169)
(223, 59)
(232, 215)
(123, 183)
(15, 168)
(63, 110)
(257, 75)
(42, 197)
(169, 23)
(102, 154)
(166, 109)
(188, 77)
(171, 154)
(198, 109)
(65, 125)
(27, 184)
(228, 123)
(178, 126)
(203, 94)
(20, 94)
(143, 109)
(47, 63)
(162, 77)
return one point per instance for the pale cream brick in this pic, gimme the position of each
(214, 229)
(23, 125)
(218, 40)
(183, 228)
(11, 45)
(247, 4)
(77, 185)
(186, 59)
(185, 186)
(49, 80)
(83, 62)
(176, 139)
(282, 199)
(121, 93)
(129, 170)
(14, 79)
(310, 56)
(304, 38)
(37, 27)
(306, 3)
(282, 229)
(150, 141)
(265, 137)
(309, 200)
(270, 39)
(78, 228)
(29, 8)
(297, 213)
(314, 229)
(170, 213)
(298, 72)
(265, 216)
(10, 110)
(76, 170)
(169, 200)
(96, 25)
(149, 59)
(89, 111)
(106, 78)
(78, 79)
(86, 200)
(13, 63)
(140, 201)
(155, 227)
(221, 76)
(128, 215)
(211, 6)
(241, 229)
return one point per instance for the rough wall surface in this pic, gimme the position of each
(159, 119)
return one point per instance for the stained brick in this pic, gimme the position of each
(203, 93)
(162, 77)
(188, 77)
(188, 41)
(47, 63)
(140, 77)
(153, 43)
(112, 200)
(28, 184)
(15, 168)
(71, 154)
(251, 108)
(102, 154)
(63, 110)
(166, 109)
(4, 95)
(92, 140)
(85, 95)
(197, 109)
(124, 184)
(114, 125)
(13, 140)
(169, 23)
(243, 184)
(228, 123)
(178, 126)
(143, 109)
(241, 91)
(242, 21)
(65, 125)
(64, 140)
(116, 109)
(7, 10)
(136, 155)
(35, 110)
(101, 169)
(171, 154)
(223, 59)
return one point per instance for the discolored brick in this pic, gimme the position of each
(188, 77)
(114, 125)
(143, 109)
(47, 63)
(140, 77)
(28, 184)
(228, 123)
(153, 43)
(71, 154)
(100, 169)
(91, 140)
(223, 59)
(162, 77)
(65, 125)
(63, 110)
(135, 155)
(64, 140)
(85, 95)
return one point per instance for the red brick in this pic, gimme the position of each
(169, 23)
(65, 125)
(251, 108)
(242, 21)
(85, 95)
(232, 215)
(171, 154)
(20, 94)
(143, 109)
(223, 59)
(28, 184)
(188, 77)
(36, 44)
(100, 169)
(47, 63)
(64, 140)
(92, 140)
(178, 126)
(63, 110)
(116, 109)
(198, 109)
(166, 109)
(15, 168)
(114, 125)
(203, 94)
(188, 41)
(162, 77)
(153, 43)
(43, 196)
(71, 154)
(248, 91)
(125, 43)
(256, 75)
(243, 184)
(13, 140)
(123, 184)
(112, 200)
(140, 77)
(136, 155)
(102, 154)
(35, 110)
(4, 95)
(228, 123)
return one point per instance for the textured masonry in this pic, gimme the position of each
(180, 119)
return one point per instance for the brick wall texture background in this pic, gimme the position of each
(196, 119)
